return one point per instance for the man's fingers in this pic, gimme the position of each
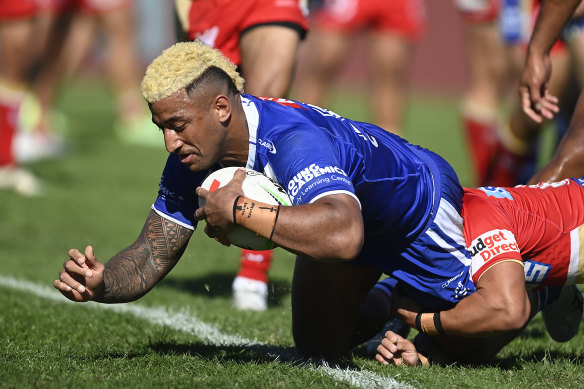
(68, 279)
(67, 291)
(381, 359)
(201, 192)
(90, 260)
(239, 175)
(63, 287)
(78, 257)
(73, 268)
(527, 105)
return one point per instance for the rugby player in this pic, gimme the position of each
(366, 201)
(18, 33)
(525, 244)
(262, 38)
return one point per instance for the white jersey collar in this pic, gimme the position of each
(253, 118)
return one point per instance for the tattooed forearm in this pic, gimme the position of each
(134, 271)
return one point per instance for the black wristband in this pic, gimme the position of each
(438, 323)
(235, 208)
(419, 322)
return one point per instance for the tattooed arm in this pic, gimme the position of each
(131, 273)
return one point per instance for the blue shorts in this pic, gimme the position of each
(434, 270)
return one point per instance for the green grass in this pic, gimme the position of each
(101, 193)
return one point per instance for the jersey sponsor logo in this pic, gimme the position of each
(167, 192)
(493, 243)
(497, 192)
(460, 291)
(535, 272)
(268, 145)
(450, 281)
(365, 136)
(308, 174)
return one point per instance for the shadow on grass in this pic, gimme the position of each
(245, 353)
(540, 356)
(219, 285)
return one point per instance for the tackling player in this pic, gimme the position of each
(513, 234)
(261, 37)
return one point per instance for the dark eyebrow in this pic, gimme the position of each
(169, 120)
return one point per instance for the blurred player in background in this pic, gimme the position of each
(394, 27)
(75, 29)
(19, 39)
(489, 76)
(261, 37)
(506, 152)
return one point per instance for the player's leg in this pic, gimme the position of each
(70, 37)
(488, 74)
(517, 153)
(324, 54)
(250, 286)
(389, 61)
(268, 57)
(133, 123)
(395, 28)
(16, 32)
(326, 300)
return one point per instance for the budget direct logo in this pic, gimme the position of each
(491, 244)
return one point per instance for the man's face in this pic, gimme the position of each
(191, 129)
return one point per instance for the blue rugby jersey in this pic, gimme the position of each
(313, 152)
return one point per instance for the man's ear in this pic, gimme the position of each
(222, 107)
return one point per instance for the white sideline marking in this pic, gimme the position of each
(188, 323)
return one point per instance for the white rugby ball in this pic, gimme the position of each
(257, 187)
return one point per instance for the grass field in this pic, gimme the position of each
(185, 333)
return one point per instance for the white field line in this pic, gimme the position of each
(188, 323)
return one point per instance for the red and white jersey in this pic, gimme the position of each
(540, 226)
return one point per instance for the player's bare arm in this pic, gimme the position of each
(536, 100)
(131, 273)
(499, 305)
(330, 229)
(568, 159)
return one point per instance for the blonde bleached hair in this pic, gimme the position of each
(181, 64)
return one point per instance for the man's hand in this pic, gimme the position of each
(536, 100)
(82, 276)
(406, 309)
(218, 208)
(396, 350)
